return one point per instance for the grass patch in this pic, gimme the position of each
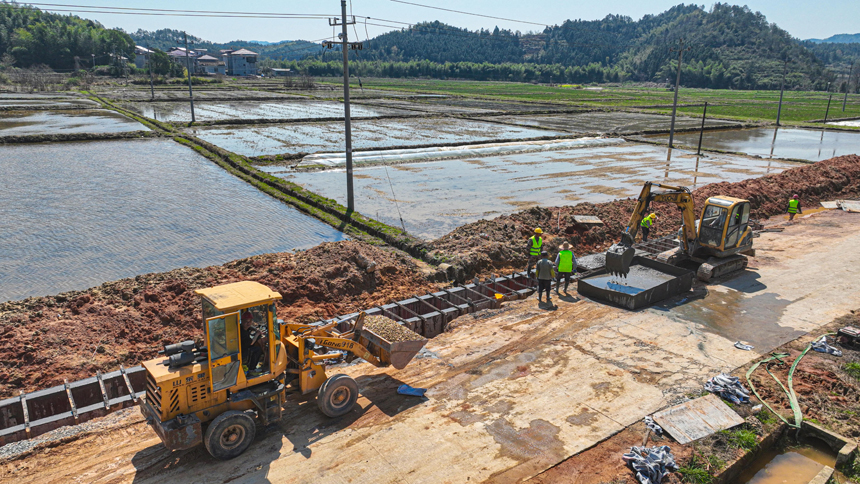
(741, 439)
(853, 369)
(756, 106)
(766, 417)
(698, 470)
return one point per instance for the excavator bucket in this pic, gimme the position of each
(390, 341)
(620, 256)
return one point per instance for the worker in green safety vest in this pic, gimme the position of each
(565, 264)
(793, 207)
(646, 224)
(534, 248)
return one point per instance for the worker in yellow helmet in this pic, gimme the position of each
(646, 224)
(534, 249)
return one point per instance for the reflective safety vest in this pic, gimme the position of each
(537, 243)
(565, 261)
(646, 222)
(792, 205)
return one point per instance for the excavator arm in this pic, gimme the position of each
(620, 255)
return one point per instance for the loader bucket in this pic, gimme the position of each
(397, 354)
(618, 259)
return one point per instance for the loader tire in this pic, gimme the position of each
(337, 395)
(229, 434)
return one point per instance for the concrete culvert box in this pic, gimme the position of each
(647, 283)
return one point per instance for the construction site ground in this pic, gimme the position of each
(511, 392)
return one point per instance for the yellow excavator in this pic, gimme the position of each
(215, 392)
(716, 241)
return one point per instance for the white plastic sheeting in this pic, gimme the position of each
(455, 152)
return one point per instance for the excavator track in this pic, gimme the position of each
(715, 267)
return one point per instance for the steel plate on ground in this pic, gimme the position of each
(587, 220)
(697, 418)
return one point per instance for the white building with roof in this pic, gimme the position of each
(241, 62)
(141, 56)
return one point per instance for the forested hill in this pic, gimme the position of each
(729, 47)
(29, 36)
(164, 39)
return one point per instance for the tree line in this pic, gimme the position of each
(29, 36)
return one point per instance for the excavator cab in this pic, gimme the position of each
(724, 227)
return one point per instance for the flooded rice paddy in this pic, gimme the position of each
(19, 123)
(436, 197)
(802, 144)
(286, 109)
(318, 137)
(75, 215)
(854, 123)
(602, 122)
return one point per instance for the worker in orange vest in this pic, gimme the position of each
(535, 245)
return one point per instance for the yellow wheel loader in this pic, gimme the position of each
(715, 241)
(214, 393)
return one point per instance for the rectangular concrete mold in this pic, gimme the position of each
(32, 414)
(648, 282)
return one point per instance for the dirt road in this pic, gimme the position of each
(513, 391)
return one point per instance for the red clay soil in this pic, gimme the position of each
(500, 245)
(46, 339)
(602, 463)
(828, 393)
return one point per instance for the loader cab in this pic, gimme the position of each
(724, 226)
(242, 336)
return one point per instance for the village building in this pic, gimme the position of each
(241, 62)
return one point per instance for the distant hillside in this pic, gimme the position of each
(31, 37)
(838, 39)
(730, 47)
(164, 39)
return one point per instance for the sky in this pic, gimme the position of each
(801, 18)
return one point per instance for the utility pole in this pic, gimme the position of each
(847, 85)
(702, 131)
(188, 66)
(826, 113)
(680, 50)
(151, 84)
(781, 89)
(345, 46)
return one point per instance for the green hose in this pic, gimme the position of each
(789, 392)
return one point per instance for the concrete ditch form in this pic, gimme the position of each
(648, 282)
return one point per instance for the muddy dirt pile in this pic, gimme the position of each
(500, 245)
(71, 335)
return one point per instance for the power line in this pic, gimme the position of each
(469, 13)
(219, 12)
